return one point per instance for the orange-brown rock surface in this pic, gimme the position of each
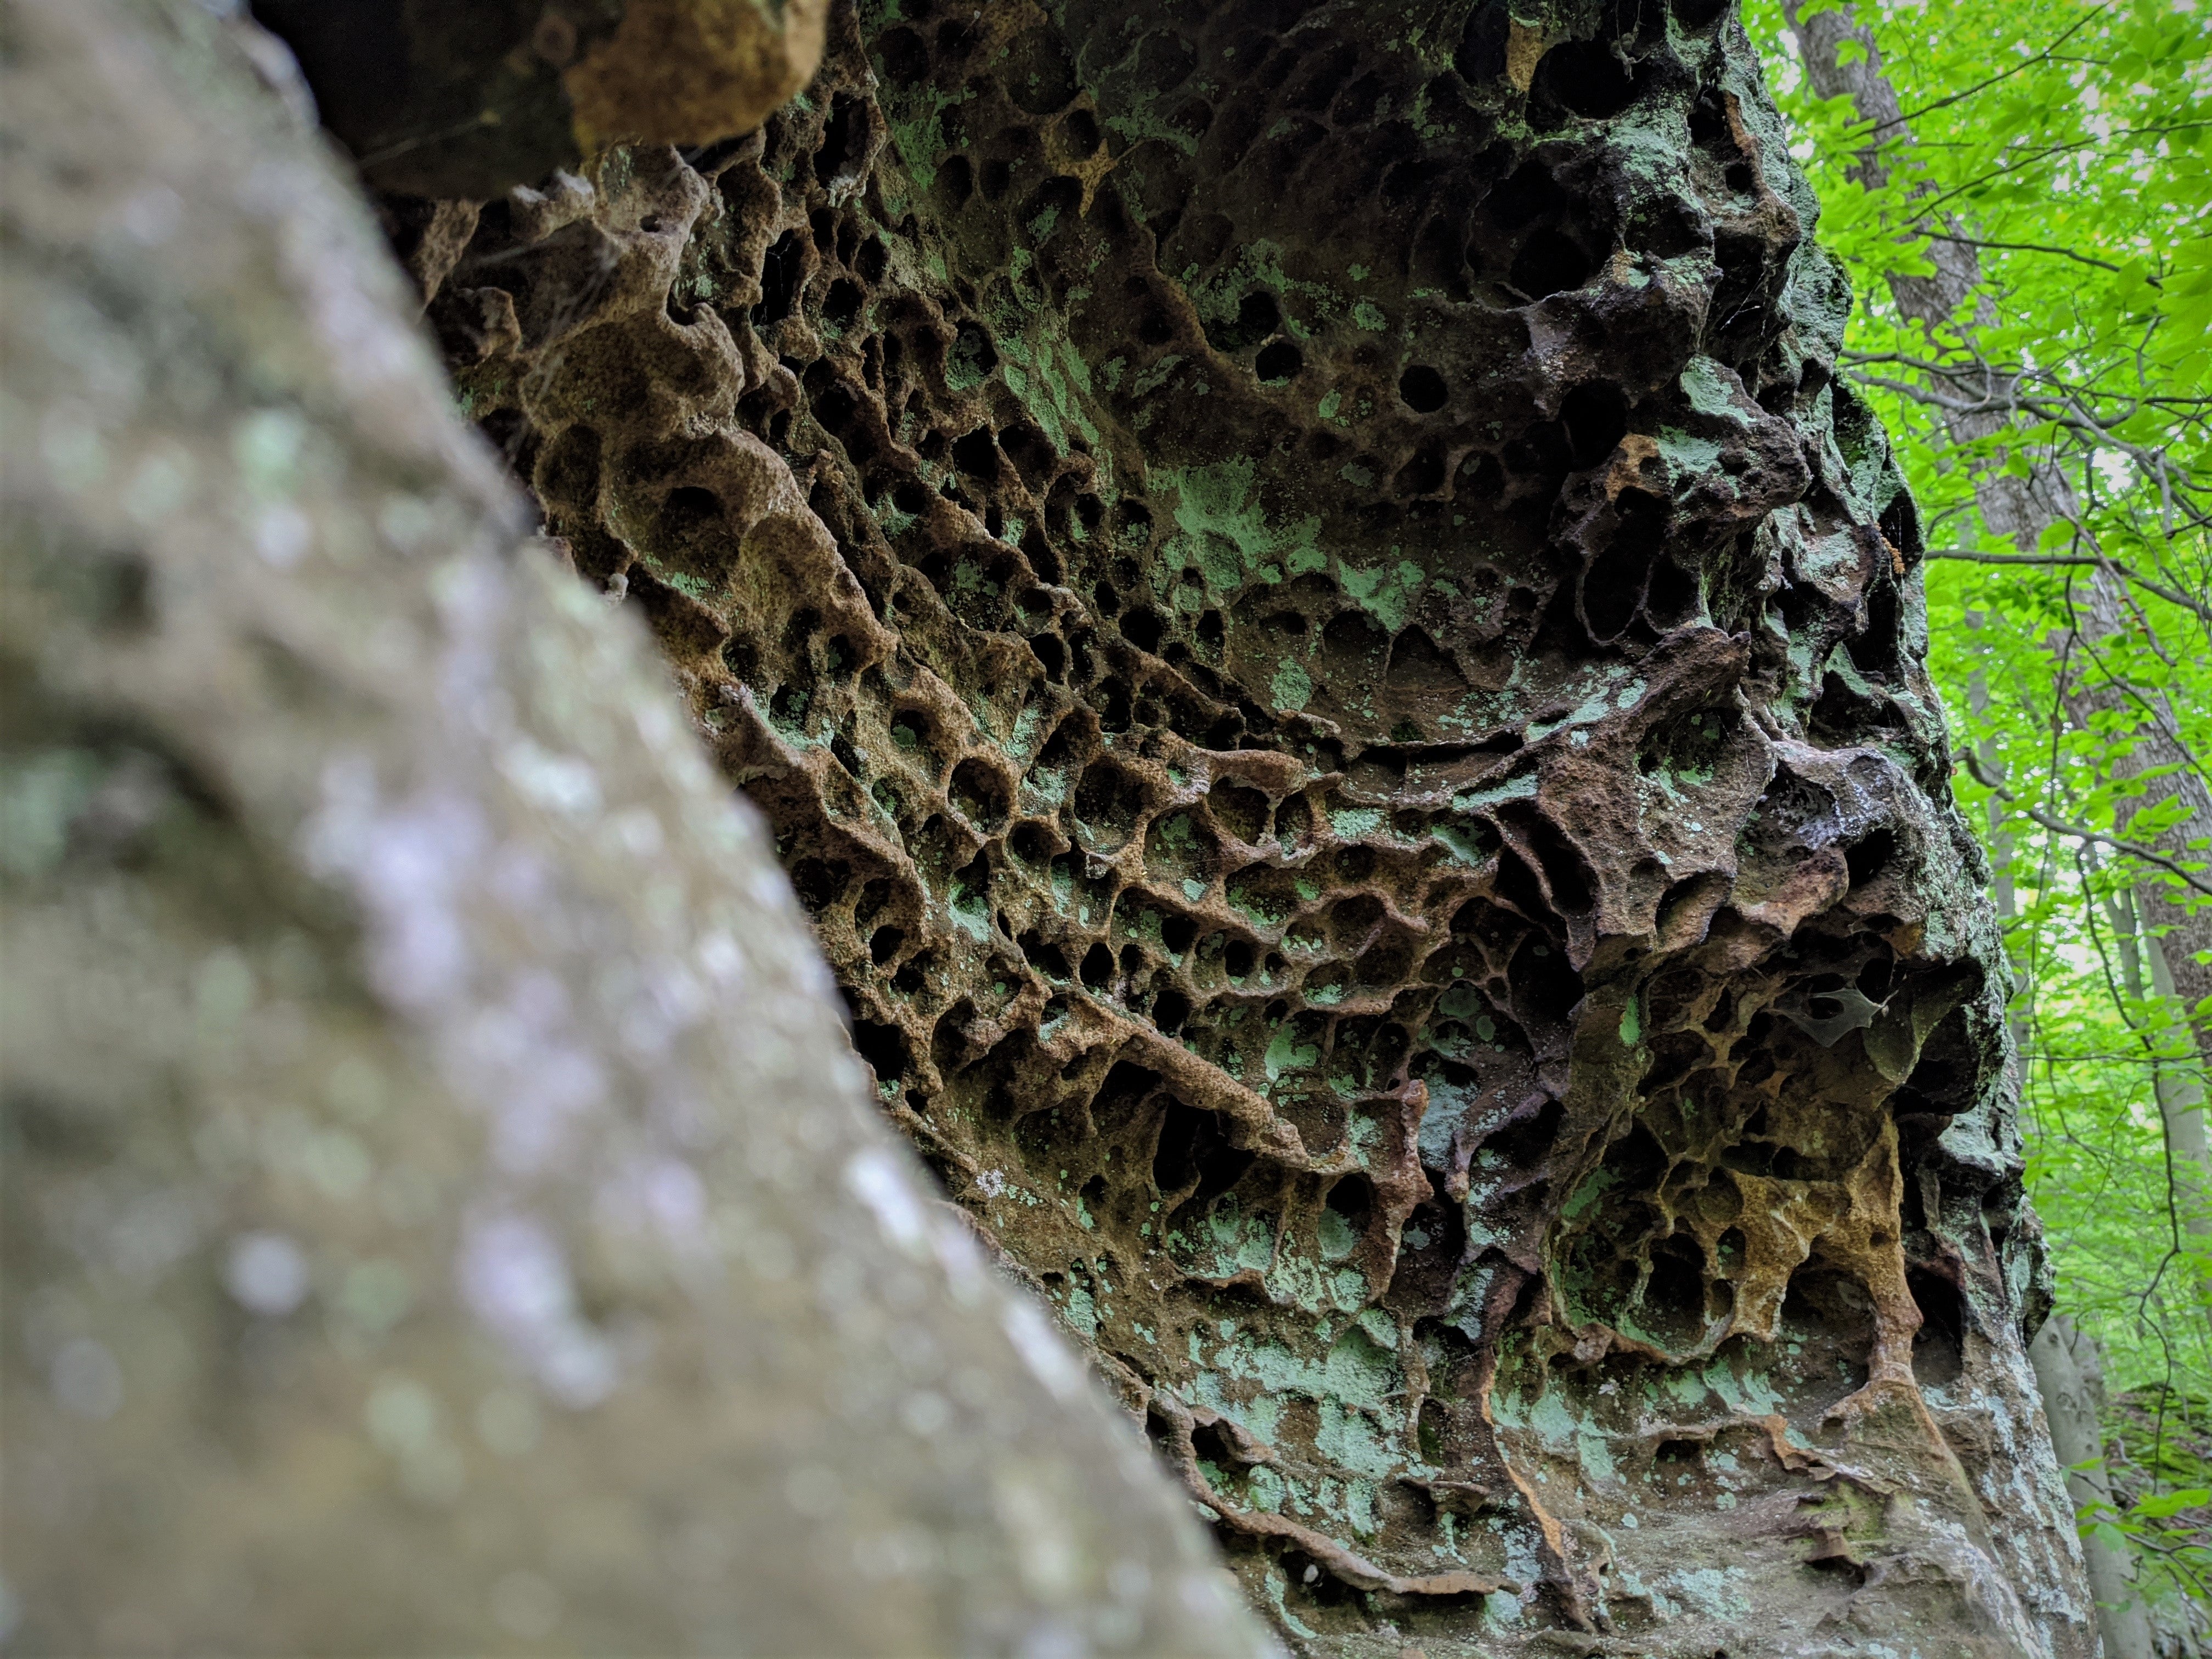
(1343, 685)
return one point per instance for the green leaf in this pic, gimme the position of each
(2172, 1503)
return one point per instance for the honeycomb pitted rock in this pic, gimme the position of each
(1343, 685)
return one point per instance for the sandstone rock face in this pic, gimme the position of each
(442, 1213)
(1343, 685)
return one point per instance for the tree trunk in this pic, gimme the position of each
(2181, 1093)
(441, 1215)
(2067, 1373)
(2176, 1086)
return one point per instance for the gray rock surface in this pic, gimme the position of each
(442, 1213)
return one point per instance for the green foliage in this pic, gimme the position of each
(2158, 1456)
(2054, 158)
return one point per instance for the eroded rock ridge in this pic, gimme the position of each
(1343, 684)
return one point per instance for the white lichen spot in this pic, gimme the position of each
(266, 1274)
(873, 1177)
(1041, 1348)
(514, 1277)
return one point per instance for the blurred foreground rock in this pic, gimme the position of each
(442, 1212)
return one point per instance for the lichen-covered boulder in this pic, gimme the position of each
(1343, 685)
(442, 1213)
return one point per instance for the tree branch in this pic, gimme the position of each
(2058, 41)
(2039, 247)
(2082, 832)
(1959, 554)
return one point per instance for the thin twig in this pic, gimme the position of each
(2038, 247)
(2082, 832)
(1982, 86)
(1960, 555)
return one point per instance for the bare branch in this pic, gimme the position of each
(2081, 831)
(2045, 56)
(1959, 554)
(2039, 247)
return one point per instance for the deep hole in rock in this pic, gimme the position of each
(1120, 1095)
(1567, 872)
(1143, 629)
(910, 733)
(1708, 125)
(1110, 799)
(1550, 262)
(1596, 415)
(845, 140)
(1278, 363)
(1874, 649)
(1614, 588)
(1193, 1153)
(1675, 1295)
(903, 55)
(1431, 1252)
(1525, 1140)
(972, 358)
(1171, 1008)
(820, 882)
(782, 270)
(1676, 1459)
(884, 1047)
(841, 307)
(1351, 1201)
(687, 509)
(1667, 228)
(1039, 77)
(1046, 958)
(1423, 390)
(980, 792)
(1867, 858)
(1585, 77)
(1097, 967)
(1825, 1302)
(1899, 522)
(1939, 1346)
(976, 454)
(1030, 451)
(1424, 475)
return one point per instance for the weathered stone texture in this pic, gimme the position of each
(1343, 686)
(442, 1213)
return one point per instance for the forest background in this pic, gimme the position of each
(2022, 193)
